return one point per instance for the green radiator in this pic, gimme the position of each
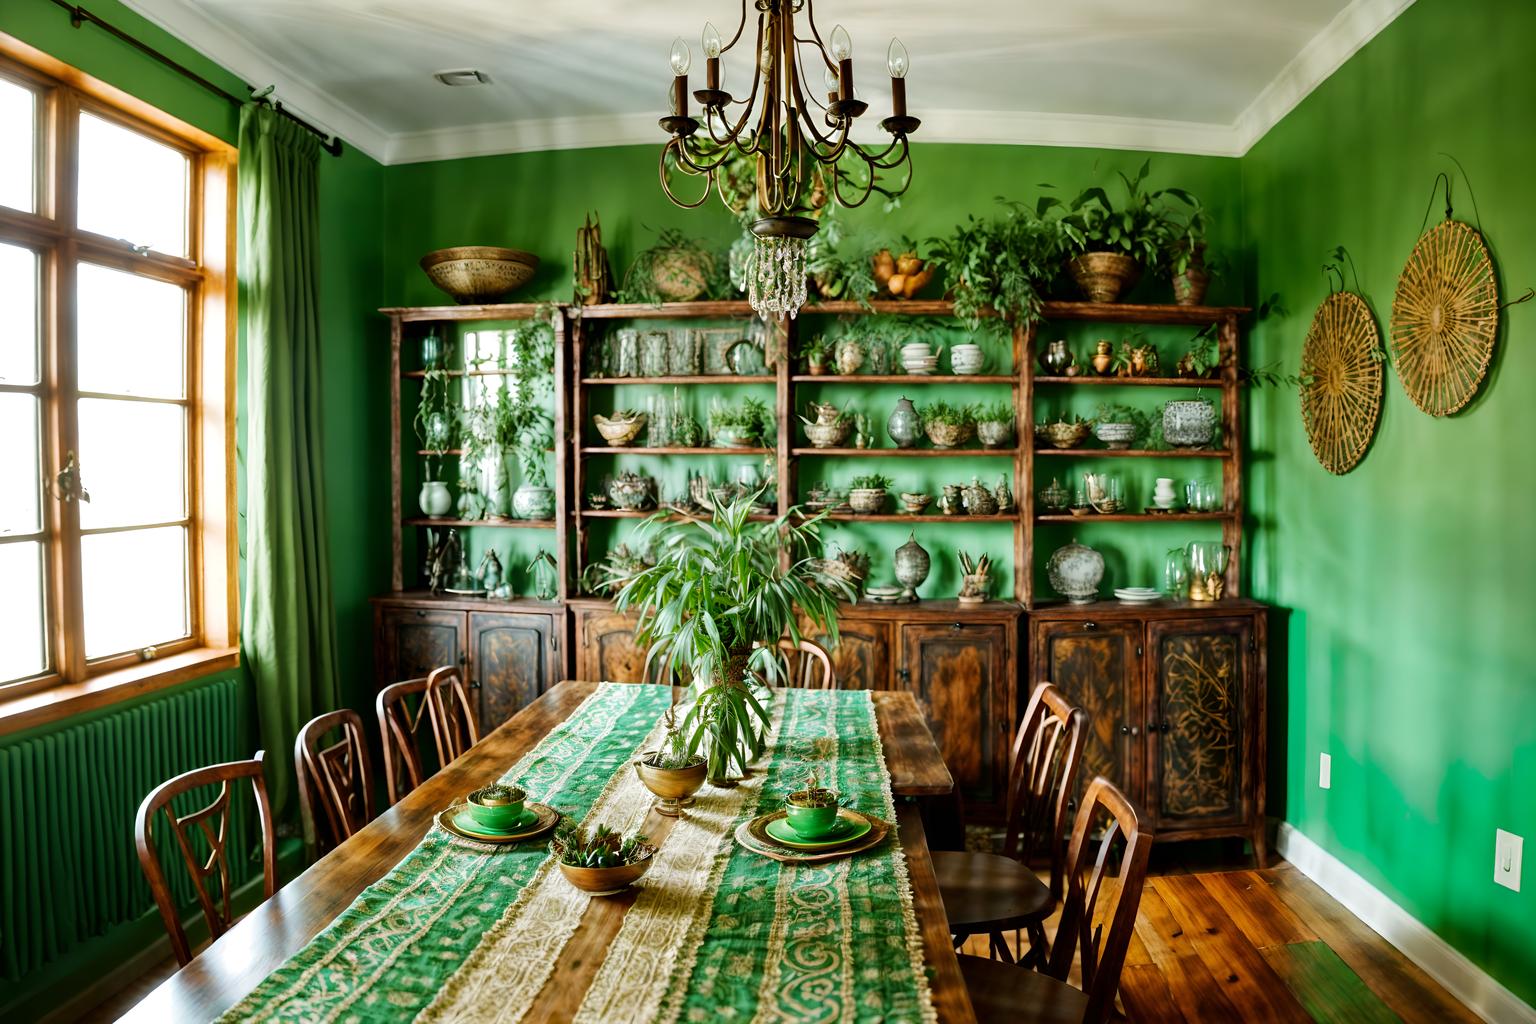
(68, 797)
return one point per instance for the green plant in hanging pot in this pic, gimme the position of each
(717, 590)
(1111, 245)
(675, 269)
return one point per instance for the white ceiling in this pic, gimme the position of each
(1196, 76)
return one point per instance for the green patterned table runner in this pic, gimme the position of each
(716, 933)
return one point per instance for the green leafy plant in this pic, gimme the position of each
(1138, 227)
(752, 417)
(840, 267)
(949, 415)
(673, 753)
(601, 848)
(1184, 238)
(817, 349)
(675, 258)
(870, 482)
(718, 588)
(993, 412)
(1116, 413)
(1001, 264)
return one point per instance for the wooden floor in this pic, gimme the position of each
(1218, 944)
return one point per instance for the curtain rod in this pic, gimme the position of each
(79, 15)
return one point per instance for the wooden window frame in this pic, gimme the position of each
(72, 682)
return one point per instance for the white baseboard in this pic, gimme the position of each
(1460, 976)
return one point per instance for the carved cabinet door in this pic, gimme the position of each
(511, 662)
(1097, 665)
(862, 657)
(961, 675)
(414, 641)
(1201, 744)
(605, 647)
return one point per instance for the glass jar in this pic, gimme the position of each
(1207, 568)
(1176, 574)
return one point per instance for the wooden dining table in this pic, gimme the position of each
(265, 938)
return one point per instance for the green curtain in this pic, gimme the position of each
(289, 629)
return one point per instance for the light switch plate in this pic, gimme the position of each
(1507, 848)
(1325, 771)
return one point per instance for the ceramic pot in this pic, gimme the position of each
(867, 499)
(1056, 359)
(816, 366)
(1075, 572)
(1115, 435)
(966, 359)
(952, 501)
(1190, 423)
(904, 426)
(1163, 495)
(949, 435)
(530, 502)
(1105, 276)
(735, 437)
(913, 503)
(1062, 434)
(1055, 497)
(849, 356)
(974, 587)
(494, 812)
(979, 501)
(994, 433)
(619, 433)
(435, 499)
(1189, 287)
(828, 435)
(911, 564)
(1004, 494)
(1103, 358)
(631, 491)
(672, 785)
(810, 822)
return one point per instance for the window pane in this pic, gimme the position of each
(19, 476)
(18, 147)
(132, 187)
(23, 652)
(18, 315)
(135, 589)
(133, 462)
(131, 334)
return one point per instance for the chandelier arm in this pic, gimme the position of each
(800, 110)
(666, 188)
(740, 25)
(810, 20)
(839, 176)
(746, 112)
(698, 164)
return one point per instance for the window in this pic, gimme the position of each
(115, 388)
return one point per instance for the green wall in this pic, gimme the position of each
(1409, 582)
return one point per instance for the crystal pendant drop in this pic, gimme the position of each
(776, 284)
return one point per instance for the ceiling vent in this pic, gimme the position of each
(462, 76)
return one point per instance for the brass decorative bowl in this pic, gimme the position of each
(606, 881)
(1064, 435)
(472, 274)
(671, 784)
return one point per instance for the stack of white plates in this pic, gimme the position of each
(1137, 595)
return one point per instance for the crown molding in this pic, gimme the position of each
(234, 53)
(1325, 53)
(1341, 39)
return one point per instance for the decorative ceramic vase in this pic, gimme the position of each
(1115, 435)
(1075, 572)
(1103, 358)
(951, 501)
(978, 500)
(1062, 434)
(994, 433)
(974, 587)
(911, 564)
(1163, 495)
(1056, 359)
(948, 435)
(431, 352)
(1207, 568)
(435, 499)
(966, 359)
(1104, 276)
(1004, 494)
(913, 502)
(849, 356)
(1190, 423)
(530, 502)
(1055, 497)
(672, 785)
(904, 426)
(631, 491)
(867, 499)
(619, 432)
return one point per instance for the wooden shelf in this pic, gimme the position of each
(698, 378)
(1136, 453)
(902, 517)
(1107, 312)
(906, 453)
(499, 524)
(421, 374)
(497, 311)
(671, 513)
(605, 450)
(905, 378)
(665, 310)
(1142, 382)
(1135, 517)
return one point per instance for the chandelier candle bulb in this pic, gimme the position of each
(682, 60)
(897, 62)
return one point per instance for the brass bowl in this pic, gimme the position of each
(606, 881)
(472, 274)
(671, 784)
(1065, 435)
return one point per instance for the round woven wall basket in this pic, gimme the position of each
(1445, 317)
(1341, 371)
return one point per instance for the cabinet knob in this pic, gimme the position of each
(955, 627)
(1090, 625)
(421, 613)
(903, 675)
(474, 684)
(1130, 730)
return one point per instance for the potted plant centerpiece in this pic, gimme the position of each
(743, 425)
(1002, 264)
(1113, 245)
(673, 772)
(812, 809)
(603, 862)
(716, 589)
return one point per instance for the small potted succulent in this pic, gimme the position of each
(740, 426)
(603, 862)
(1064, 432)
(674, 772)
(812, 810)
(1201, 359)
(817, 351)
(994, 425)
(975, 578)
(497, 807)
(867, 493)
(948, 426)
(1119, 426)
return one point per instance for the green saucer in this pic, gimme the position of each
(464, 821)
(847, 829)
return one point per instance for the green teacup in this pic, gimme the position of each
(812, 815)
(496, 807)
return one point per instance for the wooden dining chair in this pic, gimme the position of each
(211, 824)
(990, 894)
(807, 664)
(336, 779)
(1096, 936)
(455, 725)
(402, 712)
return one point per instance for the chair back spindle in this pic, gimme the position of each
(403, 714)
(210, 826)
(455, 726)
(337, 779)
(1042, 774)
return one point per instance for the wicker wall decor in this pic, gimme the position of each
(1445, 317)
(1341, 381)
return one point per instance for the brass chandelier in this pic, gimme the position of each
(800, 145)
